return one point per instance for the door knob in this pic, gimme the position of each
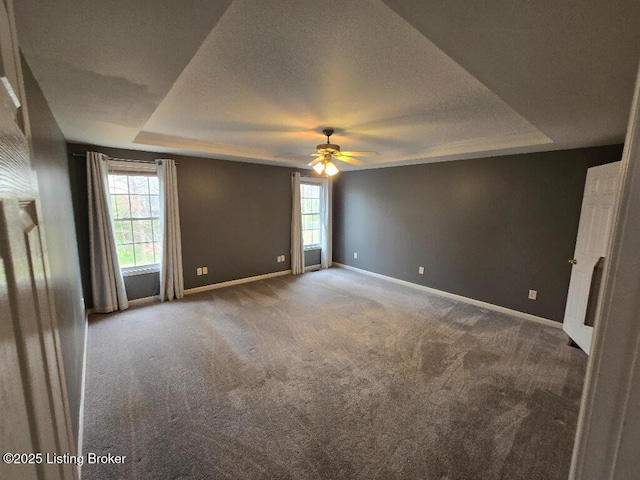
(573, 261)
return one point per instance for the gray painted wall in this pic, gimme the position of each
(50, 163)
(78, 182)
(488, 229)
(142, 286)
(311, 258)
(235, 218)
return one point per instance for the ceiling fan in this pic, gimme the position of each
(326, 151)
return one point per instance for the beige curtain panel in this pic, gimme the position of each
(171, 273)
(107, 285)
(297, 250)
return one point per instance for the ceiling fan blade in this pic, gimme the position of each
(350, 160)
(361, 154)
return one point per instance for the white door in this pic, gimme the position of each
(34, 417)
(598, 208)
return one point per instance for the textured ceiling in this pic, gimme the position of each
(415, 81)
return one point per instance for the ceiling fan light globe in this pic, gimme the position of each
(330, 169)
(319, 168)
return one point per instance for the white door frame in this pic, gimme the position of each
(607, 445)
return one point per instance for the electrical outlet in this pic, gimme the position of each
(198, 271)
(355, 254)
(421, 270)
(205, 270)
(533, 294)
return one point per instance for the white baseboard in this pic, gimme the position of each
(143, 301)
(80, 436)
(312, 268)
(239, 281)
(460, 298)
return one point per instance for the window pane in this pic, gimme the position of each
(138, 184)
(121, 209)
(157, 234)
(157, 250)
(123, 206)
(142, 231)
(155, 205)
(125, 256)
(122, 230)
(148, 230)
(135, 197)
(140, 206)
(114, 210)
(153, 185)
(144, 254)
(310, 206)
(118, 184)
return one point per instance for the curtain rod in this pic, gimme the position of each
(84, 155)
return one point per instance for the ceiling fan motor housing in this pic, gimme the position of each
(329, 148)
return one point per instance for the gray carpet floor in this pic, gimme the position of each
(328, 375)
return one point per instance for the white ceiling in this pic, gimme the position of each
(256, 80)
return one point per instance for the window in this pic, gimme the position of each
(135, 212)
(310, 198)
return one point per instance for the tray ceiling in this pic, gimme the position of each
(255, 80)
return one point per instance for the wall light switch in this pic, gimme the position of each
(533, 294)
(205, 270)
(198, 271)
(355, 254)
(421, 270)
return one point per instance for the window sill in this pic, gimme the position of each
(132, 271)
(312, 247)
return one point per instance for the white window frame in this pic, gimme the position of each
(316, 182)
(132, 168)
